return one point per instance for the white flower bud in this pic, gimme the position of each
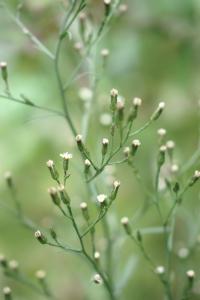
(162, 132)
(163, 148)
(7, 290)
(40, 274)
(197, 174)
(13, 264)
(79, 138)
(87, 163)
(125, 221)
(160, 270)
(105, 141)
(137, 101)
(96, 255)
(170, 145)
(114, 93)
(174, 168)
(190, 274)
(97, 279)
(50, 163)
(105, 119)
(136, 143)
(104, 52)
(83, 205)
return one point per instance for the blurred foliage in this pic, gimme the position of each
(154, 54)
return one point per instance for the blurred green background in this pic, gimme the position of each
(154, 54)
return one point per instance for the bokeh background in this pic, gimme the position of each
(154, 54)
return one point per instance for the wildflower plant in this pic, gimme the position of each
(120, 146)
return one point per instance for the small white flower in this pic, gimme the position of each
(38, 234)
(162, 132)
(174, 168)
(127, 151)
(160, 270)
(7, 290)
(3, 64)
(125, 221)
(97, 279)
(137, 101)
(136, 143)
(87, 163)
(66, 155)
(79, 138)
(96, 255)
(190, 274)
(40, 274)
(161, 105)
(50, 163)
(197, 174)
(114, 92)
(116, 184)
(107, 2)
(101, 198)
(13, 264)
(83, 205)
(105, 141)
(163, 148)
(170, 144)
(104, 52)
(183, 252)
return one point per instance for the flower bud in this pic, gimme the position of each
(104, 53)
(66, 157)
(113, 101)
(79, 141)
(116, 185)
(87, 166)
(7, 293)
(40, 274)
(158, 111)
(97, 279)
(160, 270)
(162, 132)
(194, 178)
(9, 179)
(190, 275)
(54, 195)
(127, 152)
(84, 209)
(125, 223)
(102, 199)
(13, 265)
(134, 146)
(3, 261)
(40, 237)
(120, 111)
(63, 194)
(105, 143)
(161, 155)
(97, 256)
(107, 4)
(4, 71)
(51, 166)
